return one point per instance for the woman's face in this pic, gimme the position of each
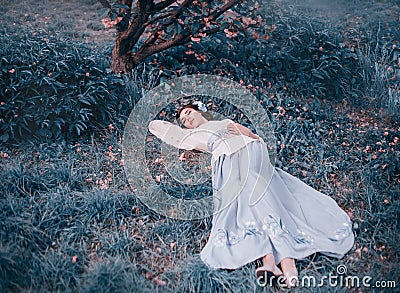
(191, 118)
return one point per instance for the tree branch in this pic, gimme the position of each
(160, 6)
(144, 6)
(148, 15)
(177, 40)
(149, 47)
(159, 17)
(132, 34)
(172, 14)
(219, 11)
(172, 17)
(211, 30)
(152, 39)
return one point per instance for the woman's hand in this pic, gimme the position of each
(237, 129)
(233, 128)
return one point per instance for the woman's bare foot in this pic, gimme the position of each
(268, 259)
(289, 271)
(269, 267)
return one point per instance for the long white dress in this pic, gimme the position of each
(259, 208)
(290, 218)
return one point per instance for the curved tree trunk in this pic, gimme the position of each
(120, 54)
(121, 60)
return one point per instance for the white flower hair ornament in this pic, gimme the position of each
(202, 107)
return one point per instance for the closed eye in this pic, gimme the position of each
(184, 119)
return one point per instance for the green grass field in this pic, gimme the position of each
(69, 220)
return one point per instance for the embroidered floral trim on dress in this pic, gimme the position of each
(272, 227)
(341, 233)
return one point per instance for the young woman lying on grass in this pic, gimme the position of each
(260, 211)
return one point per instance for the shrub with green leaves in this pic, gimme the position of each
(307, 60)
(51, 88)
(301, 55)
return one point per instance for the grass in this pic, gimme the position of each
(65, 228)
(76, 20)
(70, 222)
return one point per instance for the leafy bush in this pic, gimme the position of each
(54, 89)
(379, 74)
(306, 59)
(300, 55)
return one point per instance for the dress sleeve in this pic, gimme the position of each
(174, 135)
(258, 137)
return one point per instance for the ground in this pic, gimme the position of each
(348, 159)
(81, 20)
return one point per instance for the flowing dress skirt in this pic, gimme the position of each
(261, 209)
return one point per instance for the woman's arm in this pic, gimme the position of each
(237, 129)
(174, 135)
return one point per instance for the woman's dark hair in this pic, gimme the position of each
(206, 115)
(185, 107)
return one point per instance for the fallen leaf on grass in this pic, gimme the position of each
(350, 213)
(159, 281)
(156, 279)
